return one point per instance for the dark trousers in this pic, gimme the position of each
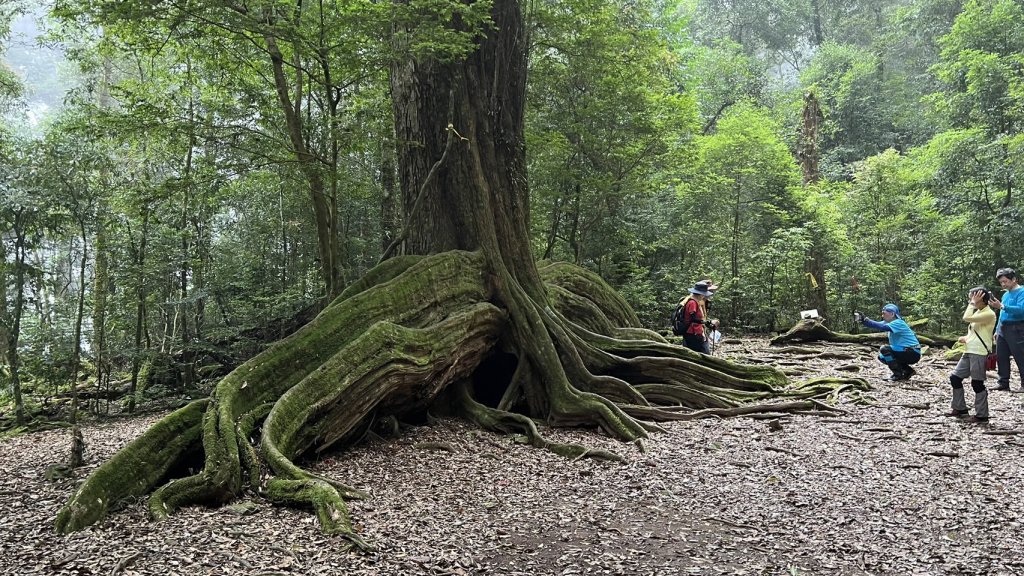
(1010, 343)
(898, 362)
(696, 342)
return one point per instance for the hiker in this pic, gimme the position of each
(981, 322)
(1010, 329)
(903, 348)
(690, 318)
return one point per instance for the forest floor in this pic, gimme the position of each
(890, 488)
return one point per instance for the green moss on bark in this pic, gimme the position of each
(585, 284)
(135, 470)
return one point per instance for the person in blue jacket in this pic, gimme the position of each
(903, 348)
(1010, 329)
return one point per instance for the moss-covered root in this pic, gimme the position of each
(246, 426)
(510, 423)
(390, 367)
(591, 288)
(675, 414)
(379, 274)
(652, 361)
(136, 469)
(457, 281)
(330, 507)
(828, 388)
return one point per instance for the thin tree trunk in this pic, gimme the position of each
(332, 97)
(324, 214)
(182, 311)
(734, 252)
(101, 266)
(574, 230)
(101, 279)
(140, 310)
(14, 333)
(556, 220)
(76, 353)
(5, 320)
(389, 198)
(819, 38)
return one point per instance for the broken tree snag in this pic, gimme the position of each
(815, 331)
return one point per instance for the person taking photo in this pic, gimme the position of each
(1010, 329)
(981, 322)
(903, 348)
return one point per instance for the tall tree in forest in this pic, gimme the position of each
(745, 173)
(24, 209)
(463, 318)
(16, 217)
(808, 155)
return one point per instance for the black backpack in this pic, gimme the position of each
(679, 321)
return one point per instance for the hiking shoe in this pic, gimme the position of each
(1000, 387)
(957, 413)
(898, 377)
(979, 420)
(910, 372)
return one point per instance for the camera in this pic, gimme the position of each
(858, 317)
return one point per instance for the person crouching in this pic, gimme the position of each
(903, 349)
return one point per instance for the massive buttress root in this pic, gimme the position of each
(389, 346)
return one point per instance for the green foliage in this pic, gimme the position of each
(603, 118)
(743, 177)
(723, 76)
(441, 30)
(865, 106)
(983, 67)
(10, 85)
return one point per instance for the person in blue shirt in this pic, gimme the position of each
(1010, 329)
(903, 348)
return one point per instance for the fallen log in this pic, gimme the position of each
(816, 331)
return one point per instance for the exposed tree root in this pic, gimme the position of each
(391, 344)
(676, 413)
(510, 423)
(135, 470)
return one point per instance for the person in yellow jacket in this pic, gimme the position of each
(981, 323)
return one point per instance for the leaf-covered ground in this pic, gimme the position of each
(892, 488)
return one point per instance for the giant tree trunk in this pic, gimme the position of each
(427, 327)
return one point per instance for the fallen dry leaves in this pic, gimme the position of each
(893, 488)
